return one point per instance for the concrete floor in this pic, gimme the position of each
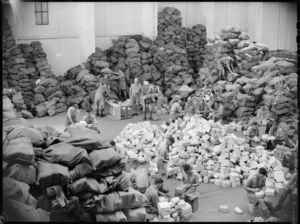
(211, 195)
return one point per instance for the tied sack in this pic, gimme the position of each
(34, 135)
(113, 170)
(89, 184)
(104, 158)
(80, 170)
(52, 174)
(19, 191)
(20, 212)
(119, 200)
(23, 173)
(66, 154)
(19, 150)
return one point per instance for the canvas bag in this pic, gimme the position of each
(34, 135)
(23, 173)
(104, 158)
(66, 154)
(19, 150)
(52, 174)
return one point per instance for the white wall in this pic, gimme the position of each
(272, 23)
(60, 36)
(114, 19)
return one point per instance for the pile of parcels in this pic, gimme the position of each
(173, 210)
(219, 156)
(242, 71)
(70, 176)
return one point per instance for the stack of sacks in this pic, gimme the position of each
(250, 77)
(169, 19)
(139, 141)
(177, 70)
(219, 157)
(175, 210)
(65, 176)
(49, 98)
(8, 108)
(195, 46)
(20, 205)
(97, 61)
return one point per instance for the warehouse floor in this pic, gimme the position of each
(212, 196)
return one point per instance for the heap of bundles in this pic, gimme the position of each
(73, 176)
(17, 73)
(174, 210)
(170, 31)
(139, 141)
(218, 155)
(241, 71)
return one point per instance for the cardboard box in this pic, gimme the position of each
(181, 204)
(226, 184)
(224, 170)
(218, 182)
(165, 213)
(279, 187)
(235, 185)
(186, 209)
(224, 209)
(188, 217)
(163, 206)
(171, 171)
(238, 210)
(270, 192)
(180, 189)
(279, 176)
(260, 194)
(223, 176)
(175, 200)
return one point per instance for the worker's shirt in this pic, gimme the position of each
(122, 78)
(190, 108)
(163, 150)
(154, 90)
(102, 89)
(255, 182)
(136, 88)
(220, 110)
(176, 108)
(152, 196)
(145, 90)
(141, 177)
(263, 114)
(202, 106)
(73, 113)
(252, 132)
(277, 133)
(90, 119)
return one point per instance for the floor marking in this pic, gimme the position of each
(212, 193)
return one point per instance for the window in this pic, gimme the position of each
(41, 13)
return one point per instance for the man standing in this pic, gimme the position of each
(101, 95)
(152, 194)
(203, 109)
(163, 157)
(147, 100)
(72, 115)
(156, 94)
(176, 110)
(256, 183)
(135, 95)
(122, 84)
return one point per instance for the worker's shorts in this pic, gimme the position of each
(99, 100)
(122, 85)
(162, 167)
(150, 105)
(135, 98)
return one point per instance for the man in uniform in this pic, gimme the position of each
(152, 194)
(163, 157)
(146, 100)
(72, 115)
(91, 121)
(101, 95)
(135, 95)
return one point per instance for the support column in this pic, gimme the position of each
(150, 19)
(86, 23)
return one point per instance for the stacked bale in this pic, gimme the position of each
(177, 70)
(239, 71)
(219, 156)
(64, 178)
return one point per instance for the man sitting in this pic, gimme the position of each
(252, 133)
(91, 121)
(140, 177)
(256, 183)
(152, 194)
